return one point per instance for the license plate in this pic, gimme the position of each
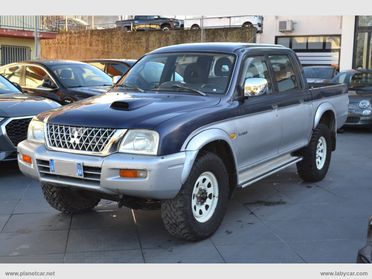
(66, 168)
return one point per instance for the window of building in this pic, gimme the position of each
(363, 42)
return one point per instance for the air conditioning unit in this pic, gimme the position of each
(286, 26)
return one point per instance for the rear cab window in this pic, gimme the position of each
(284, 73)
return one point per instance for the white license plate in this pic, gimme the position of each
(66, 168)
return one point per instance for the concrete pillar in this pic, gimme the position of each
(347, 42)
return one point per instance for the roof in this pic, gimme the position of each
(212, 47)
(51, 62)
(127, 61)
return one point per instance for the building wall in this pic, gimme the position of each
(315, 25)
(303, 25)
(116, 43)
(22, 42)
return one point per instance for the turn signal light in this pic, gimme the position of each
(27, 159)
(129, 173)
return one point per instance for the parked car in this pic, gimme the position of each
(365, 254)
(112, 67)
(216, 117)
(224, 21)
(150, 22)
(16, 112)
(60, 80)
(319, 74)
(359, 83)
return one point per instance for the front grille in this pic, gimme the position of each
(91, 175)
(16, 130)
(83, 139)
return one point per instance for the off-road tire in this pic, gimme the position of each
(69, 201)
(307, 168)
(177, 213)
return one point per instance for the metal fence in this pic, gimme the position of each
(10, 54)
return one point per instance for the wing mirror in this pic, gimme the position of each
(255, 87)
(115, 79)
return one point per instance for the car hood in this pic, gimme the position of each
(17, 105)
(361, 94)
(128, 110)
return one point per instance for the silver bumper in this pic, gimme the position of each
(164, 180)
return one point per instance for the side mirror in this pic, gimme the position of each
(255, 86)
(115, 79)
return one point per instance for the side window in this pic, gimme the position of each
(116, 69)
(341, 78)
(38, 78)
(98, 65)
(284, 73)
(256, 67)
(13, 73)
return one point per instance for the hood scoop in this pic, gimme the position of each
(130, 104)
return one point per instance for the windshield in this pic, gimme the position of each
(7, 87)
(80, 75)
(323, 73)
(198, 73)
(361, 82)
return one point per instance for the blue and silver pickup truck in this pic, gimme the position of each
(182, 129)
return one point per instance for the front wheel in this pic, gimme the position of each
(316, 156)
(69, 201)
(198, 209)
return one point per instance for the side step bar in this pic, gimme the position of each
(263, 170)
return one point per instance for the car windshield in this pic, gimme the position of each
(321, 72)
(362, 82)
(7, 87)
(80, 75)
(194, 73)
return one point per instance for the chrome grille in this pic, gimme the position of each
(81, 139)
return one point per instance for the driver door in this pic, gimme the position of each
(258, 124)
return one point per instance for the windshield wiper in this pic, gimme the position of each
(132, 86)
(187, 88)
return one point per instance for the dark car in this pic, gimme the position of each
(365, 253)
(112, 67)
(16, 112)
(360, 96)
(150, 22)
(319, 74)
(60, 80)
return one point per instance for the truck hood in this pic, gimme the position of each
(17, 105)
(128, 110)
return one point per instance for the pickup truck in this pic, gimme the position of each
(150, 22)
(183, 128)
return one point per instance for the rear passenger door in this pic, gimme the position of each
(294, 105)
(258, 124)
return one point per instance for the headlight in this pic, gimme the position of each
(36, 131)
(140, 142)
(363, 104)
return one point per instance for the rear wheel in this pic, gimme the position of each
(316, 156)
(69, 201)
(247, 25)
(195, 27)
(198, 209)
(165, 27)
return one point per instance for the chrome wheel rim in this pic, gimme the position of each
(204, 197)
(321, 153)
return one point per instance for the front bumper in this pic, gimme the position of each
(357, 119)
(163, 181)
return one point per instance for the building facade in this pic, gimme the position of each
(344, 42)
(17, 37)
